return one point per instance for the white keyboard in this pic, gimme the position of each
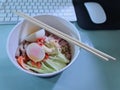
(61, 8)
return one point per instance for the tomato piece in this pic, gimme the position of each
(36, 64)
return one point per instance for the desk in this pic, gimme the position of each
(88, 72)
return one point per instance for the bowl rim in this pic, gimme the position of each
(46, 74)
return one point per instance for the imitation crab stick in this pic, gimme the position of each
(20, 60)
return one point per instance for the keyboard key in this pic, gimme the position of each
(13, 7)
(47, 4)
(14, 19)
(8, 11)
(9, 15)
(20, 19)
(2, 15)
(41, 11)
(1, 19)
(52, 11)
(25, 11)
(38, 4)
(26, 4)
(47, 11)
(50, 1)
(53, 4)
(43, 4)
(1, 4)
(11, 4)
(45, 1)
(45, 7)
(21, 4)
(16, 4)
(39, 7)
(30, 11)
(7, 7)
(63, 4)
(50, 7)
(2, 11)
(32, 14)
(36, 11)
(34, 7)
(7, 19)
(18, 7)
(23, 7)
(29, 7)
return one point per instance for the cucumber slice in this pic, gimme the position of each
(60, 57)
(57, 65)
(43, 69)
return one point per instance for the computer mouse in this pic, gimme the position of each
(96, 12)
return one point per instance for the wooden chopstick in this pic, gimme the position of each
(66, 37)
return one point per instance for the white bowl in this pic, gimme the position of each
(24, 28)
